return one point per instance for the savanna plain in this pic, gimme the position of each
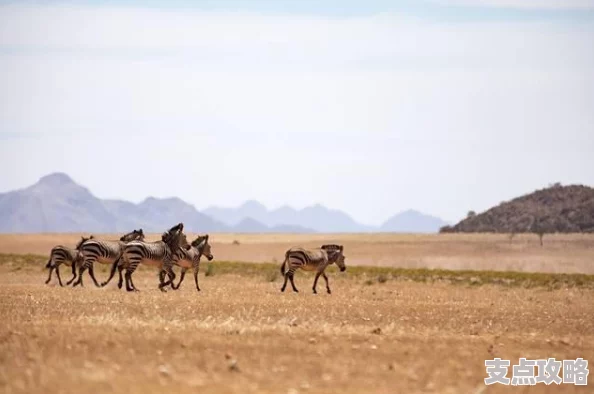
(412, 313)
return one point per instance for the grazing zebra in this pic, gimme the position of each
(160, 253)
(312, 260)
(105, 252)
(64, 255)
(189, 257)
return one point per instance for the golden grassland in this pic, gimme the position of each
(561, 253)
(419, 327)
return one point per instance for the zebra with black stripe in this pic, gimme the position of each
(312, 260)
(189, 257)
(161, 254)
(104, 252)
(61, 254)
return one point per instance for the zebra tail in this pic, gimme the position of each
(49, 263)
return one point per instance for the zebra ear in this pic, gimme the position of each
(206, 238)
(341, 248)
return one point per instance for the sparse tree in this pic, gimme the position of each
(540, 235)
(511, 236)
(471, 214)
(538, 228)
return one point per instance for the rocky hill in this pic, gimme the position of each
(563, 209)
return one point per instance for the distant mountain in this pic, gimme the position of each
(563, 209)
(58, 204)
(54, 203)
(317, 217)
(412, 221)
(233, 216)
(154, 215)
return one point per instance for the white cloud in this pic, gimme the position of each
(524, 4)
(409, 111)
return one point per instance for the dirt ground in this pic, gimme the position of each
(572, 253)
(242, 335)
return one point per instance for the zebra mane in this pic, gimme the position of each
(82, 241)
(332, 248)
(175, 239)
(133, 235)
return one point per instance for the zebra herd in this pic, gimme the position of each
(172, 250)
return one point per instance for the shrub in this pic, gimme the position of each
(210, 270)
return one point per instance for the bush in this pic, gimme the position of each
(382, 278)
(272, 275)
(210, 270)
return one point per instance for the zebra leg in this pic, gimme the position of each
(112, 272)
(51, 269)
(92, 274)
(315, 284)
(81, 271)
(127, 276)
(162, 274)
(121, 280)
(285, 283)
(196, 270)
(73, 274)
(327, 284)
(58, 275)
(130, 278)
(129, 284)
(169, 270)
(292, 274)
(181, 279)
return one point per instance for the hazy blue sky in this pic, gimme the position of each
(370, 107)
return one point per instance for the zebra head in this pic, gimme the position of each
(177, 228)
(82, 241)
(175, 238)
(201, 243)
(335, 255)
(136, 235)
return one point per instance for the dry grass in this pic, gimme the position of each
(572, 253)
(240, 334)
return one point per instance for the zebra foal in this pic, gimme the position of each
(105, 252)
(189, 257)
(312, 260)
(61, 254)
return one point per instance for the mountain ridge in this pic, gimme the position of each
(56, 203)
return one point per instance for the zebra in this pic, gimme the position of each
(160, 253)
(64, 255)
(105, 252)
(189, 257)
(312, 260)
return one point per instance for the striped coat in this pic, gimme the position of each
(312, 260)
(161, 254)
(104, 252)
(189, 257)
(64, 255)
